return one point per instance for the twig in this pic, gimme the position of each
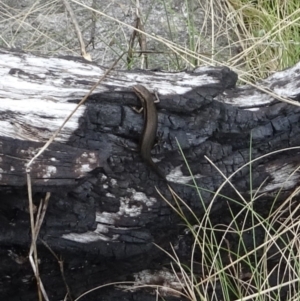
(139, 32)
(71, 114)
(131, 44)
(141, 36)
(36, 227)
(92, 38)
(61, 268)
(84, 54)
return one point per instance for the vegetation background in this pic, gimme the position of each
(254, 38)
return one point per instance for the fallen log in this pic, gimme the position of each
(104, 206)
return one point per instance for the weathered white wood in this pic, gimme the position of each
(283, 83)
(35, 91)
(38, 93)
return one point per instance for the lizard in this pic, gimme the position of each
(150, 126)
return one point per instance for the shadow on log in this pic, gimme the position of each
(104, 212)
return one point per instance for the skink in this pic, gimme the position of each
(150, 126)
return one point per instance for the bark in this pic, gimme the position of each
(104, 212)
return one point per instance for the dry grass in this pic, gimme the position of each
(243, 273)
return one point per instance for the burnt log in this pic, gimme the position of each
(105, 212)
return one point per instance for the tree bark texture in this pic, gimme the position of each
(105, 212)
